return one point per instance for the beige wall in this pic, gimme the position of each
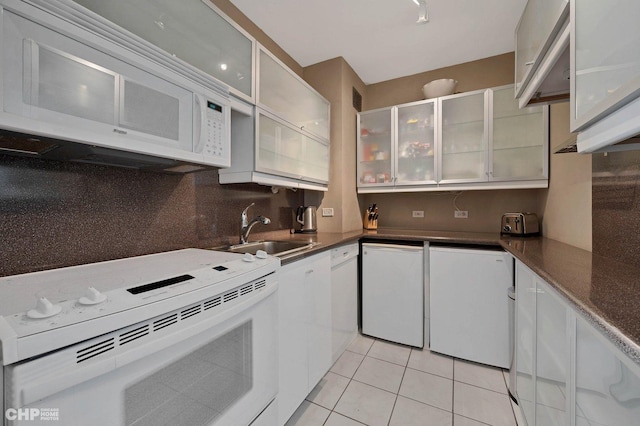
(567, 212)
(485, 208)
(335, 80)
(480, 74)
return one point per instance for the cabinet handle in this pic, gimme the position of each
(310, 271)
(121, 132)
(528, 64)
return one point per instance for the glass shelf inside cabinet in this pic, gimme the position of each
(415, 150)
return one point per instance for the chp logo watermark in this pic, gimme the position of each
(32, 414)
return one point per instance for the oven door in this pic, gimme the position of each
(210, 363)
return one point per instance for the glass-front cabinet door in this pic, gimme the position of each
(192, 30)
(285, 94)
(416, 143)
(282, 150)
(519, 139)
(538, 25)
(375, 148)
(605, 58)
(463, 136)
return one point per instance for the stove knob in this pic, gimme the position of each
(92, 297)
(261, 254)
(44, 309)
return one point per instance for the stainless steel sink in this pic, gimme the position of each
(275, 248)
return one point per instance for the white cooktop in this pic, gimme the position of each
(19, 293)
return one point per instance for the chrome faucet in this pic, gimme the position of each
(246, 225)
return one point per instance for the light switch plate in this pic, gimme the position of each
(327, 212)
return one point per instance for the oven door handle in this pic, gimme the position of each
(37, 387)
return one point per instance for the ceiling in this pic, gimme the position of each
(380, 38)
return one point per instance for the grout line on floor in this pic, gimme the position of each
(475, 420)
(453, 392)
(480, 387)
(397, 394)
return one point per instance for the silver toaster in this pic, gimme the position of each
(520, 224)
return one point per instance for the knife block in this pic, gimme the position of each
(369, 223)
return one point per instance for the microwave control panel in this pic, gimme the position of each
(214, 145)
(215, 131)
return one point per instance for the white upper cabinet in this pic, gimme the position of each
(194, 31)
(415, 162)
(475, 140)
(397, 146)
(376, 148)
(463, 136)
(606, 58)
(285, 94)
(284, 140)
(268, 150)
(519, 139)
(605, 79)
(283, 151)
(542, 37)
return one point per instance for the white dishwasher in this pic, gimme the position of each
(469, 305)
(393, 284)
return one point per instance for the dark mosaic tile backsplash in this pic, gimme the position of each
(55, 214)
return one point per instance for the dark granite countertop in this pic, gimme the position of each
(329, 240)
(604, 291)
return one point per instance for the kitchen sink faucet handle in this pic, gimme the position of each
(243, 216)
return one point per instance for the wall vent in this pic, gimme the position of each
(357, 100)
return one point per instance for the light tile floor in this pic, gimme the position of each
(375, 382)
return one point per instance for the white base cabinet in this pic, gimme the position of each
(344, 298)
(568, 373)
(304, 317)
(607, 382)
(469, 303)
(392, 292)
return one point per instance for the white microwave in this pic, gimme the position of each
(81, 97)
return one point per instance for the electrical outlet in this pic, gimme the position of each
(461, 214)
(327, 212)
(417, 213)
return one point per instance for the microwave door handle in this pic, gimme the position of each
(200, 117)
(30, 74)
